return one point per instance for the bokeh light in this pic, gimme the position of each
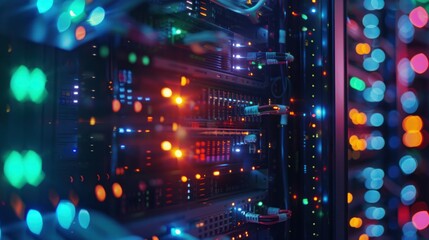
(378, 55)
(405, 73)
(370, 65)
(96, 16)
(84, 218)
(44, 5)
(357, 84)
(132, 57)
(412, 123)
(355, 222)
(14, 169)
(406, 29)
(408, 194)
(412, 139)
(409, 230)
(419, 17)
(363, 48)
(419, 63)
(166, 146)
(116, 105)
(376, 213)
(80, 33)
(408, 164)
(372, 196)
(100, 193)
(374, 230)
(409, 102)
(371, 32)
(421, 220)
(138, 106)
(166, 92)
(63, 22)
(34, 221)
(349, 198)
(65, 213)
(76, 8)
(370, 20)
(117, 190)
(376, 119)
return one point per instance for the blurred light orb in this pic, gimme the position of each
(408, 194)
(406, 74)
(408, 164)
(409, 102)
(371, 32)
(419, 63)
(421, 220)
(419, 17)
(370, 20)
(406, 29)
(378, 55)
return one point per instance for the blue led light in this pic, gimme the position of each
(376, 213)
(371, 32)
(239, 209)
(128, 130)
(374, 230)
(237, 150)
(406, 29)
(374, 184)
(376, 119)
(325, 199)
(372, 196)
(121, 130)
(375, 143)
(370, 20)
(408, 194)
(378, 55)
(409, 102)
(370, 65)
(176, 231)
(34, 221)
(405, 72)
(409, 230)
(147, 99)
(96, 16)
(377, 174)
(65, 214)
(74, 150)
(408, 164)
(122, 146)
(84, 218)
(313, 10)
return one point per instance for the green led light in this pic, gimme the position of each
(44, 5)
(34, 221)
(104, 51)
(19, 83)
(132, 57)
(14, 169)
(33, 168)
(260, 204)
(305, 201)
(76, 8)
(20, 169)
(259, 66)
(304, 16)
(145, 60)
(25, 85)
(357, 84)
(304, 29)
(36, 88)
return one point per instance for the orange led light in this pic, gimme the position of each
(197, 176)
(184, 179)
(166, 146)
(117, 190)
(166, 92)
(179, 100)
(349, 197)
(178, 153)
(216, 173)
(100, 193)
